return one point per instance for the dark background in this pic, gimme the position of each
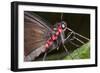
(80, 23)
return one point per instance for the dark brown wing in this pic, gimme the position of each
(36, 32)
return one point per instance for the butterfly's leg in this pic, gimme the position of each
(67, 51)
(70, 40)
(74, 44)
(78, 34)
(79, 40)
(58, 44)
(63, 41)
(44, 57)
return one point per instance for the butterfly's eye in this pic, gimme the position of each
(63, 26)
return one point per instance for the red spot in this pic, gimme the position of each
(49, 42)
(57, 33)
(60, 30)
(54, 37)
(46, 45)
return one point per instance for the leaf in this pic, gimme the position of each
(80, 53)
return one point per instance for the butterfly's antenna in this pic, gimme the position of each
(61, 16)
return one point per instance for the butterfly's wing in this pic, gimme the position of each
(36, 33)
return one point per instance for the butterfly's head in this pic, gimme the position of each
(63, 24)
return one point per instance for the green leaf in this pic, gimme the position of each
(80, 53)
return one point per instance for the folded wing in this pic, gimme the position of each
(36, 33)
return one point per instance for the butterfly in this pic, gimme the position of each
(40, 38)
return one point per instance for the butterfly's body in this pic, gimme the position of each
(54, 37)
